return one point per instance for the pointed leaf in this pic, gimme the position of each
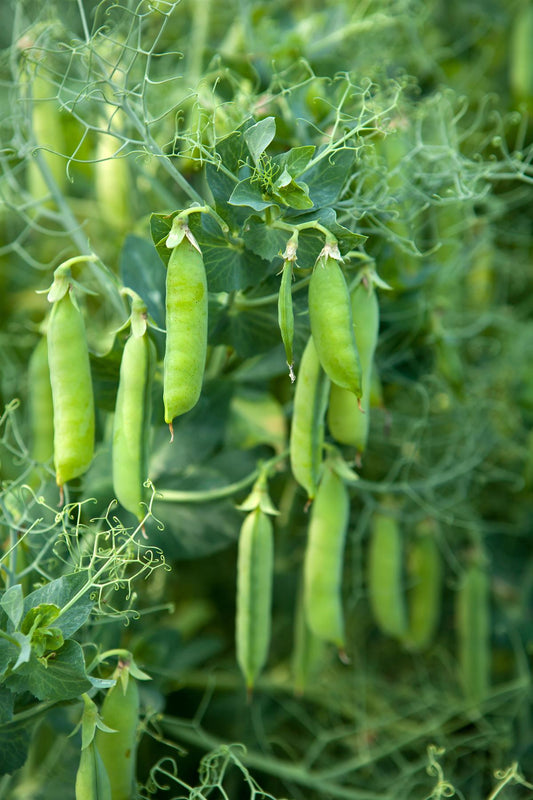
(13, 604)
(259, 136)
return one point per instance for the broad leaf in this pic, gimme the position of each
(327, 178)
(259, 136)
(60, 678)
(141, 270)
(60, 592)
(7, 702)
(13, 604)
(14, 742)
(248, 193)
(263, 240)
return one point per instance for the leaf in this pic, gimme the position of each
(264, 241)
(24, 653)
(294, 195)
(295, 160)
(7, 702)
(13, 604)
(14, 743)
(250, 330)
(327, 178)
(140, 270)
(8, 654)
(259, 136)
(43, 614)
(60, 678)
(248, 193)
(60, 592)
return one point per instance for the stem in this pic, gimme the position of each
(204, 209)
(267, 299)
(219, 492)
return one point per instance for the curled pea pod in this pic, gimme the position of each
(330, 315)
(424, 595)
(385, 575)
(41, 409)
(92, 780)
(286, 314)
(131, 425)
(324, 558)
(473, 632)
(72, 390)
(254, 594)
(120, 712)
(348, 420)
(307, 430)
(186, 323)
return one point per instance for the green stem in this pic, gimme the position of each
(255, 302)
(219, 492)
(204, 209)
(10, 639)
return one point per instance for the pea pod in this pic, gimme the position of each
(473, 632)
(324, 558)
(92, 780)
(385, 579)
(132, 423)
(254, 594)
(308, 649)
(120, 711)
(286, 314)
(331, 320)
(347, 419)
(424, 569)
(72, 391)
(307, 430)
(186, 322)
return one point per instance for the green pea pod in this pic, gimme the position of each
(120, 711)
(324, 559)
(424, 570)
(286, 314)
(307, 652)
(72, 391)
(520, 66)
(132, 423)
(307, 430)
(331, 320)
(348, 420)
(254, 594)
(473, 632)
(41, 409)
(385, 583)
(186, 322)
(92, 780)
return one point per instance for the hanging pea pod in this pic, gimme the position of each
(330, 315)
(118, 744)
(324, 558)
(92, 780)
(70, 379)
(286, 314)
(473, 632)
(385, 574)
(307, 430)
(308, 649)
(349, 420)
(424, 595)
(131, 426)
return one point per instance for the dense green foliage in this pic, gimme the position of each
(257, 142)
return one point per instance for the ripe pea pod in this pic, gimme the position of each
(186, 323)
(40, 405)
(324, 558)
(286, 314)
(254, 594)
(120, 711)
(473, 632)
(92, 780)
(348, 421)
(385, 580)
(424, 570)
(131, 425)
(307, 429)
(72, 391)
(330, 315)
(307, 651)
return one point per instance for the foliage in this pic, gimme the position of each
(397, 134)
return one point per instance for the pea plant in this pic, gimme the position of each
(266, 461)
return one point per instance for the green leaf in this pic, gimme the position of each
(140, 269)
(60, 678)
(296, 160)
(327, 178)
(7, 702)
(250, 330)
(41, 615)
(14, 743)
(9, 653)
(13, 604)
(60, 592)
(24, 653)
(259, 136)
(248, 193)
(294, 195)
(264, 241)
